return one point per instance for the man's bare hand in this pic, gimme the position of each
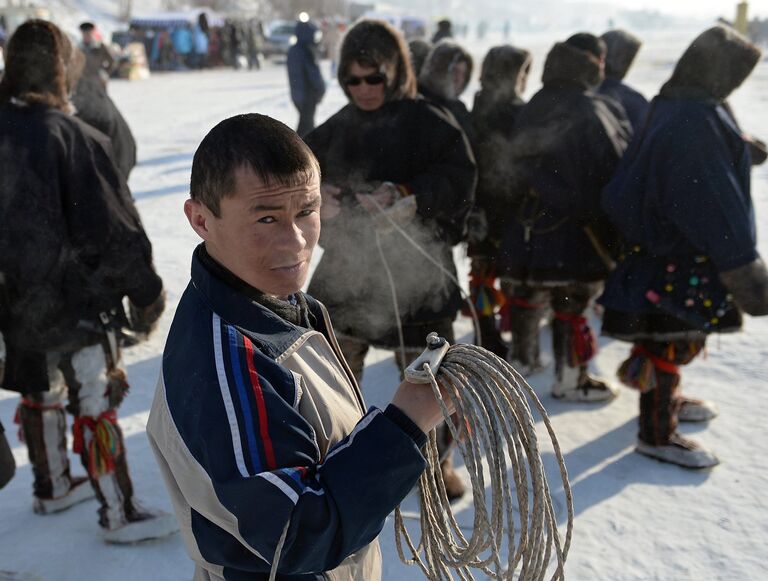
(331, 205)
(418, 402)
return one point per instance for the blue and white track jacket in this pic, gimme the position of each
(258, 424)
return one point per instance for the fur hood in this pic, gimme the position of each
(376, 44)
(437, 73)
(38, 66)
(505, 71)
(622, 48)
(568, 64)
(419, 49)
(715, 64)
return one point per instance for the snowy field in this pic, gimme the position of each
(635, 518)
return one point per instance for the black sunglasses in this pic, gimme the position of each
(372, 79)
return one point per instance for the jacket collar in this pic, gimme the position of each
(272, 333)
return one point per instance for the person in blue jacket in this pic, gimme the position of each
(258, 425)
(565, 146)
(183, 45)
(622, 48)
(681, 198)
(304, 76)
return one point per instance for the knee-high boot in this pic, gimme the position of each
(100, 444)
(525, 350)
(572, 382)
(653, 369)
(44, 427)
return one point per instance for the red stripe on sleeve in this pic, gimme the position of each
(261, 406)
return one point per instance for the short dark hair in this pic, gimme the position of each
(87, 27)
(274, 152)
(589, 43)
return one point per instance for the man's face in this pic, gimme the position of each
(265, 235)
(87, 36)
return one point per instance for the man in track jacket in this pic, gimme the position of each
(258, 425)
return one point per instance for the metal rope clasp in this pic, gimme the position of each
(433, 356)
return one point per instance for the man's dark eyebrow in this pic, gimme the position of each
(265, 208)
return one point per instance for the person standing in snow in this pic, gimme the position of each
(503, 78)
(99, 61)
(566, 145)
(258, 425)
(94, 106)
(621, 50)
(183, 45)
(201, 43)
(388, 149)
(71, 248)
(254, 31)
(681, 197)
(304, 76)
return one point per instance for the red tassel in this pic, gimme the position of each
(659, 363)
(583, 341)
(17, 421)
(104, 445)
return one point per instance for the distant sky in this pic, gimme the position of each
(696, 7)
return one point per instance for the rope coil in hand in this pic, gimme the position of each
(494, 421)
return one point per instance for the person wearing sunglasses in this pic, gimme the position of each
(389, 151)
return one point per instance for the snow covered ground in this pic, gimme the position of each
(635, 518)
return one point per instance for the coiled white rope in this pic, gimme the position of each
(494, 425)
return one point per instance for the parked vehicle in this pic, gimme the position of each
(280, 37)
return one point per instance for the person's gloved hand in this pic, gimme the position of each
(144, 319)
(749, 286)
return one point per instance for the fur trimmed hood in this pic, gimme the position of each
(622, 48)
(437, 73)
(377, 44)
(418, 49)
(38, 66)
(566, 63)
(505, 71)
(717, 62)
